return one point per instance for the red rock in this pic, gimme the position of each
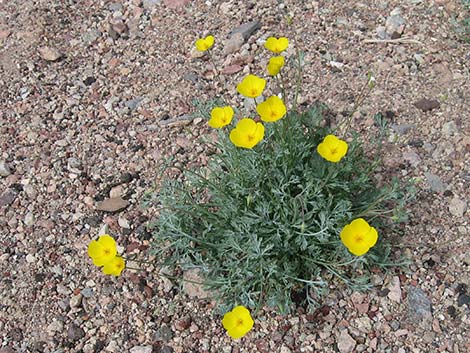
(232, 69)
(175, 4)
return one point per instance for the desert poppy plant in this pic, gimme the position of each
(276, 45)
(102, 250)
(238, 322)
(358, 236)
(247, 133)
(220, 117)
(251, 86)
(275, 65)
(204, 44)
(272, 109)
(332, 148)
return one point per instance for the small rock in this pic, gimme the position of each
(457, 207)
(123, 223)
(463, 299)
(419, 307)
(234, 43)
(114, 204)
(395, 24)
(30, 258)
(7, 198)
(412, 157)
(141, 349)
(4, 169)
(435, 182)
(246, 29)
(76, 301)
(176, 4)
(29, 219)
(183, 323)
(116, 191)
(426, 105)
(285, 349)
(192, 284)
(7, 349)
(449, 128)
(403, 129)
(166, 349)
(50, 54)
(75, 333)
(87, 292)
(395, 290)
(55, 326)
(150, 4)
(164, 333)
(345, 342)
(231, 69)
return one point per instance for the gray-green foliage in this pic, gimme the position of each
(263, 224)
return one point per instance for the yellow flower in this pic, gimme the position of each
(247, 133)
(332, 148)
(251, 86)
(220, 116)
(358, 236)
(237, 322)
(276, 45)
(272, 109)
(204, 44)
(102, 250)
(275, 64)
(115, 266)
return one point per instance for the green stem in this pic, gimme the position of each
(298, 85)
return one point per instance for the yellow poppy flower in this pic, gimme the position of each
(237, 322)
(275, 65)
(332, 148)
(220, 117)
(204, 44)
(247, 133)
(276, 45)
(251, 86)
(102, 250)
(272, 109)
(358, 236)
(115, 266)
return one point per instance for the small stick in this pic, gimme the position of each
(394, 41)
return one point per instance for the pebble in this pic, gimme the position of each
(164, 333)
(345, 342)
(29, 219)
(114, 204)
(449, 128)
(55, 326)
(4, 169)
(395, 290)
(87, 292)
(234, 43)
(435, 182)
(394, 25)
(246, 29)
(141, 349)
(457, 207)
(426, 105)
(50, 54)
(30, 258)
(166, 349)
(192, 284)
(150, 4)
(7, 198)
(75, 333)
(175, 4)
(124, 223)
(419, 307)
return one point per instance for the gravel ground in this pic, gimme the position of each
(96, 94)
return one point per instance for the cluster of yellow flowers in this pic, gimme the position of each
(103, 252)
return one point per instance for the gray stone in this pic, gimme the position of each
(449, 128)
(133, 103)
(403, 129)
(345, 342)
(234, 43)
(150, 4)
(7, 349)
(457, 207)
(166, 349)
(4, 169)
(412, 157)
(141, 349)
(29, 219)
(426, 105)
(7, 198)
(395, 24)
(87, 292)
(419, 307)
(246, 29)
(435, 182)
(395, 290)
(115, 6)
(114, 204)
(164, 334)
(75, 332)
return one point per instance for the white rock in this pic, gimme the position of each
(29, 219)
(395, 290)
(345, 342)
(4, 169)
(50, 54)
(123, 223)
(457, 207)
(141, 349)
(30, 258)
(55, 326)
(75, 301)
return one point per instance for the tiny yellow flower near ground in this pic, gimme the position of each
(358, 236)
(102, 250)
(204, 44)
(332, 148)
(251, 86)
(275, 65)
(276, 45)
(272, 109)
(220, 117)
(247, 133)
(115, 266)
(237, 322)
